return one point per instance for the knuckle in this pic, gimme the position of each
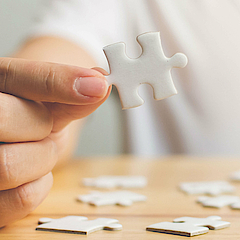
(41, 121)
(43, 75)
(5, 114)
(49, 80)
(46, 120)
(34, 116)
(5, 72)
(7, 178)
(52, 152)
(26, 197)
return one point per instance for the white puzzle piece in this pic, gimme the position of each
(123, 198)
(116, 181)
(152, 67)
(212, 222)
(235, 176)
(78, 224)
(188, 226)
(183, 229)
(235, 205)
(218, 202)
(211, 187)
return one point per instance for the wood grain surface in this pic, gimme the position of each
(165, 202)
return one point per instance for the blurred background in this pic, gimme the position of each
(103, 134)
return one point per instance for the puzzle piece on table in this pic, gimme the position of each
(211, 188)
(235, 176)
(78, 224)
(116, 181)
(152, 67)
(123, 198)
(189, 226)
(235, 205)
(218, 202)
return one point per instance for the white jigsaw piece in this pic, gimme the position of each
(218, 202)
(235, 205)
(189, 226)
(211, 187)
(235, 176)
(152, 67)
(78, 224)
(116, 181)
(123, 198)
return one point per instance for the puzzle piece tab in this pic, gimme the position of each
(123, 198)
(116, 181)
(211, 188)
(188, 226)
(152, 67)
(78, 224)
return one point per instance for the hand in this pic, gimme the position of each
(38, 100)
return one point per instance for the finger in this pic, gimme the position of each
(26, 162)
(23, 120)
(51, 82)
(63, 114)
(101, 70)
(18, 202)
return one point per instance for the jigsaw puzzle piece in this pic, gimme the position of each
(152, 67)
(205, 187)
(212, 222)
(182, 229)
(218, 202)
(188, 226)
(123, 198)
(235, 205)
(78, 224)
(235, 176)
(116, 181)
(122, 75)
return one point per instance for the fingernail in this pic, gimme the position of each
(91, 86)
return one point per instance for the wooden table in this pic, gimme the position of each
(165, 202)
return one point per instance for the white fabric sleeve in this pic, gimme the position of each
(92, 24)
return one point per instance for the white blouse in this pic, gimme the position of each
(204, 117)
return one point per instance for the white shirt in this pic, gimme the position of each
(204, 117)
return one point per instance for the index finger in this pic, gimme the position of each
(51, 82)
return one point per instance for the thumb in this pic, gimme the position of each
(51, 82)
